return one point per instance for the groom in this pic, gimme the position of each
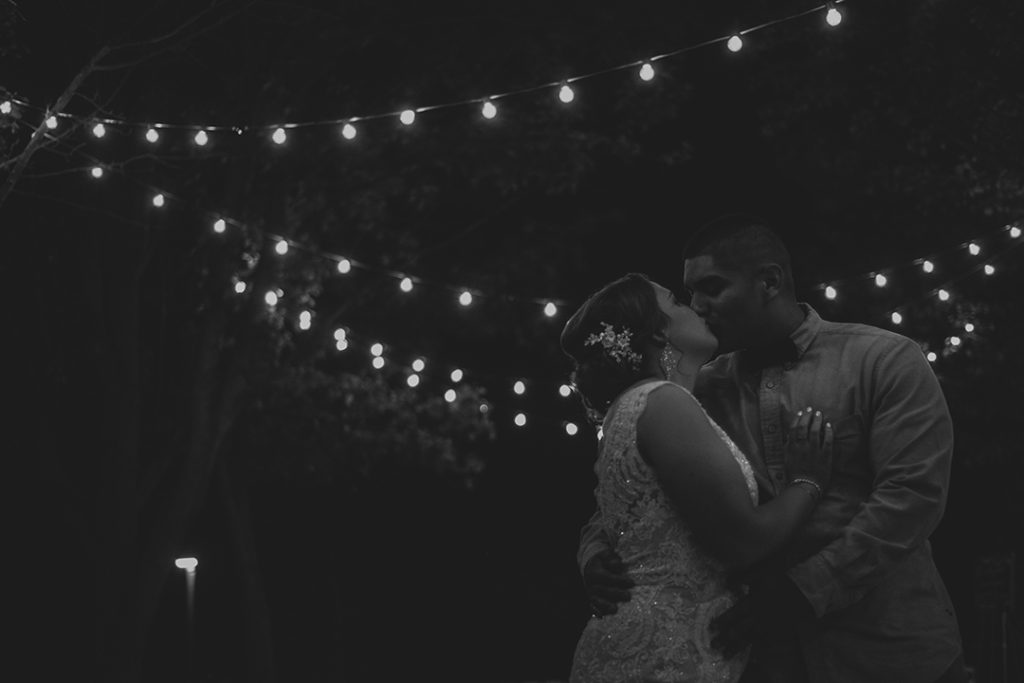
(856, 597)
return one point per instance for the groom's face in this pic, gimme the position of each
(728, 299)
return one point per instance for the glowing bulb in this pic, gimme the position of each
(348, 131)
(344, 266)
(219, 225)
(550, 309)
(1014, 232)
(735, 43)
(880, 280)
(974, 249)
(932, 357)
(240, 287)
(97, 171)
(833, 17)
(279, 136)
(377, 362)
(281, 247)
(465, 298)
(456, 375)
(406, 284)
(51, 122)
(377, 349)
(896, 318)
(99, 130)
(989, 269)
(943, 295)
(566, 94)
(488, 110)
(340, 333)
(152, 135)
(341, 344)
(5, 107)
(646, 72)
(520, 419)
(271, 298)
(418, 365)
(201, 138)
(519, 387)
(927, 266)
(565, 391)
(571, 429)
(407, 117)
(305, 320)
(484, 407)
(412, 380)
(189, 564)
(158, 200)
(969, 327)
(830, 292)
(450, 395)
(954, 341)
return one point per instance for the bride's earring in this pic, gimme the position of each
(669, 360)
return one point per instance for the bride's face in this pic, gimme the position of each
(687, 331)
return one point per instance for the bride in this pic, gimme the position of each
(674, 493)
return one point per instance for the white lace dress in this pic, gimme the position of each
(662, 633)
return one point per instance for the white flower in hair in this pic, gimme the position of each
(616, 345)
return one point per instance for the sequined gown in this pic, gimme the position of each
(662, 633)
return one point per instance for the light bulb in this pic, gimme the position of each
(646, 71)
(565, 391)
(520, 419)
(201, 138)
(566, 94)
(378, 362)
(735, 43)
(896, 318)
(407, 117)
(880, 280)
(943, 295)
(97, 171)
(954, 341)
(456, 375)
(833, 17)
(219, 225)
(1014, 231)
(932, 357)
(340, 333)
(99, 130)
(519, 387)
(465, 298)
(279, 136)
(240, 287)
(550, 309)
(969, 327)
(488, 110)
(412, 380)
(927, 266)
(305, 320)
(341, 344)
(974, 249)
(158, 200)
(989, 269)
(571, 429)
(5, 107)
(377, 349)
(152, 135)
(271, 298)
(418, 365)
(450, 395)
(406, 284)
(51, 122)
(348, 131)
(281, 247)
(344, 266)
(830, 292)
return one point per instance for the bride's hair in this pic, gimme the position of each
(628, 303)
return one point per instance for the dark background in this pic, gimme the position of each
(350, 527)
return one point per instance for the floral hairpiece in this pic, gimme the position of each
(616, 345)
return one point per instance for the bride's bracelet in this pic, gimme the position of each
(817, 487)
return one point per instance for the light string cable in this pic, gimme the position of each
(487, 103)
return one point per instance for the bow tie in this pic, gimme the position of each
(775, 353)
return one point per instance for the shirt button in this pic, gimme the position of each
(769, 385)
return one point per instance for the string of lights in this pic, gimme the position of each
(348, 125)
(985, 250)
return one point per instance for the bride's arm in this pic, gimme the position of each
(707, 487)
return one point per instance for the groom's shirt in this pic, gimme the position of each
(862, 560)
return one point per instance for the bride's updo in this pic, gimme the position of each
(605, 339)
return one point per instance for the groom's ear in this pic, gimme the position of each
(770, 279)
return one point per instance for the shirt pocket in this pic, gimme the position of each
(851, 470)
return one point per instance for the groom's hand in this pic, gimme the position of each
(770, 604)
(606, 582)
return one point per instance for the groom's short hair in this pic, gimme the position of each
(739, 241)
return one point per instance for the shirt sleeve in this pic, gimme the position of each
(592, 540)
(910, 448)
